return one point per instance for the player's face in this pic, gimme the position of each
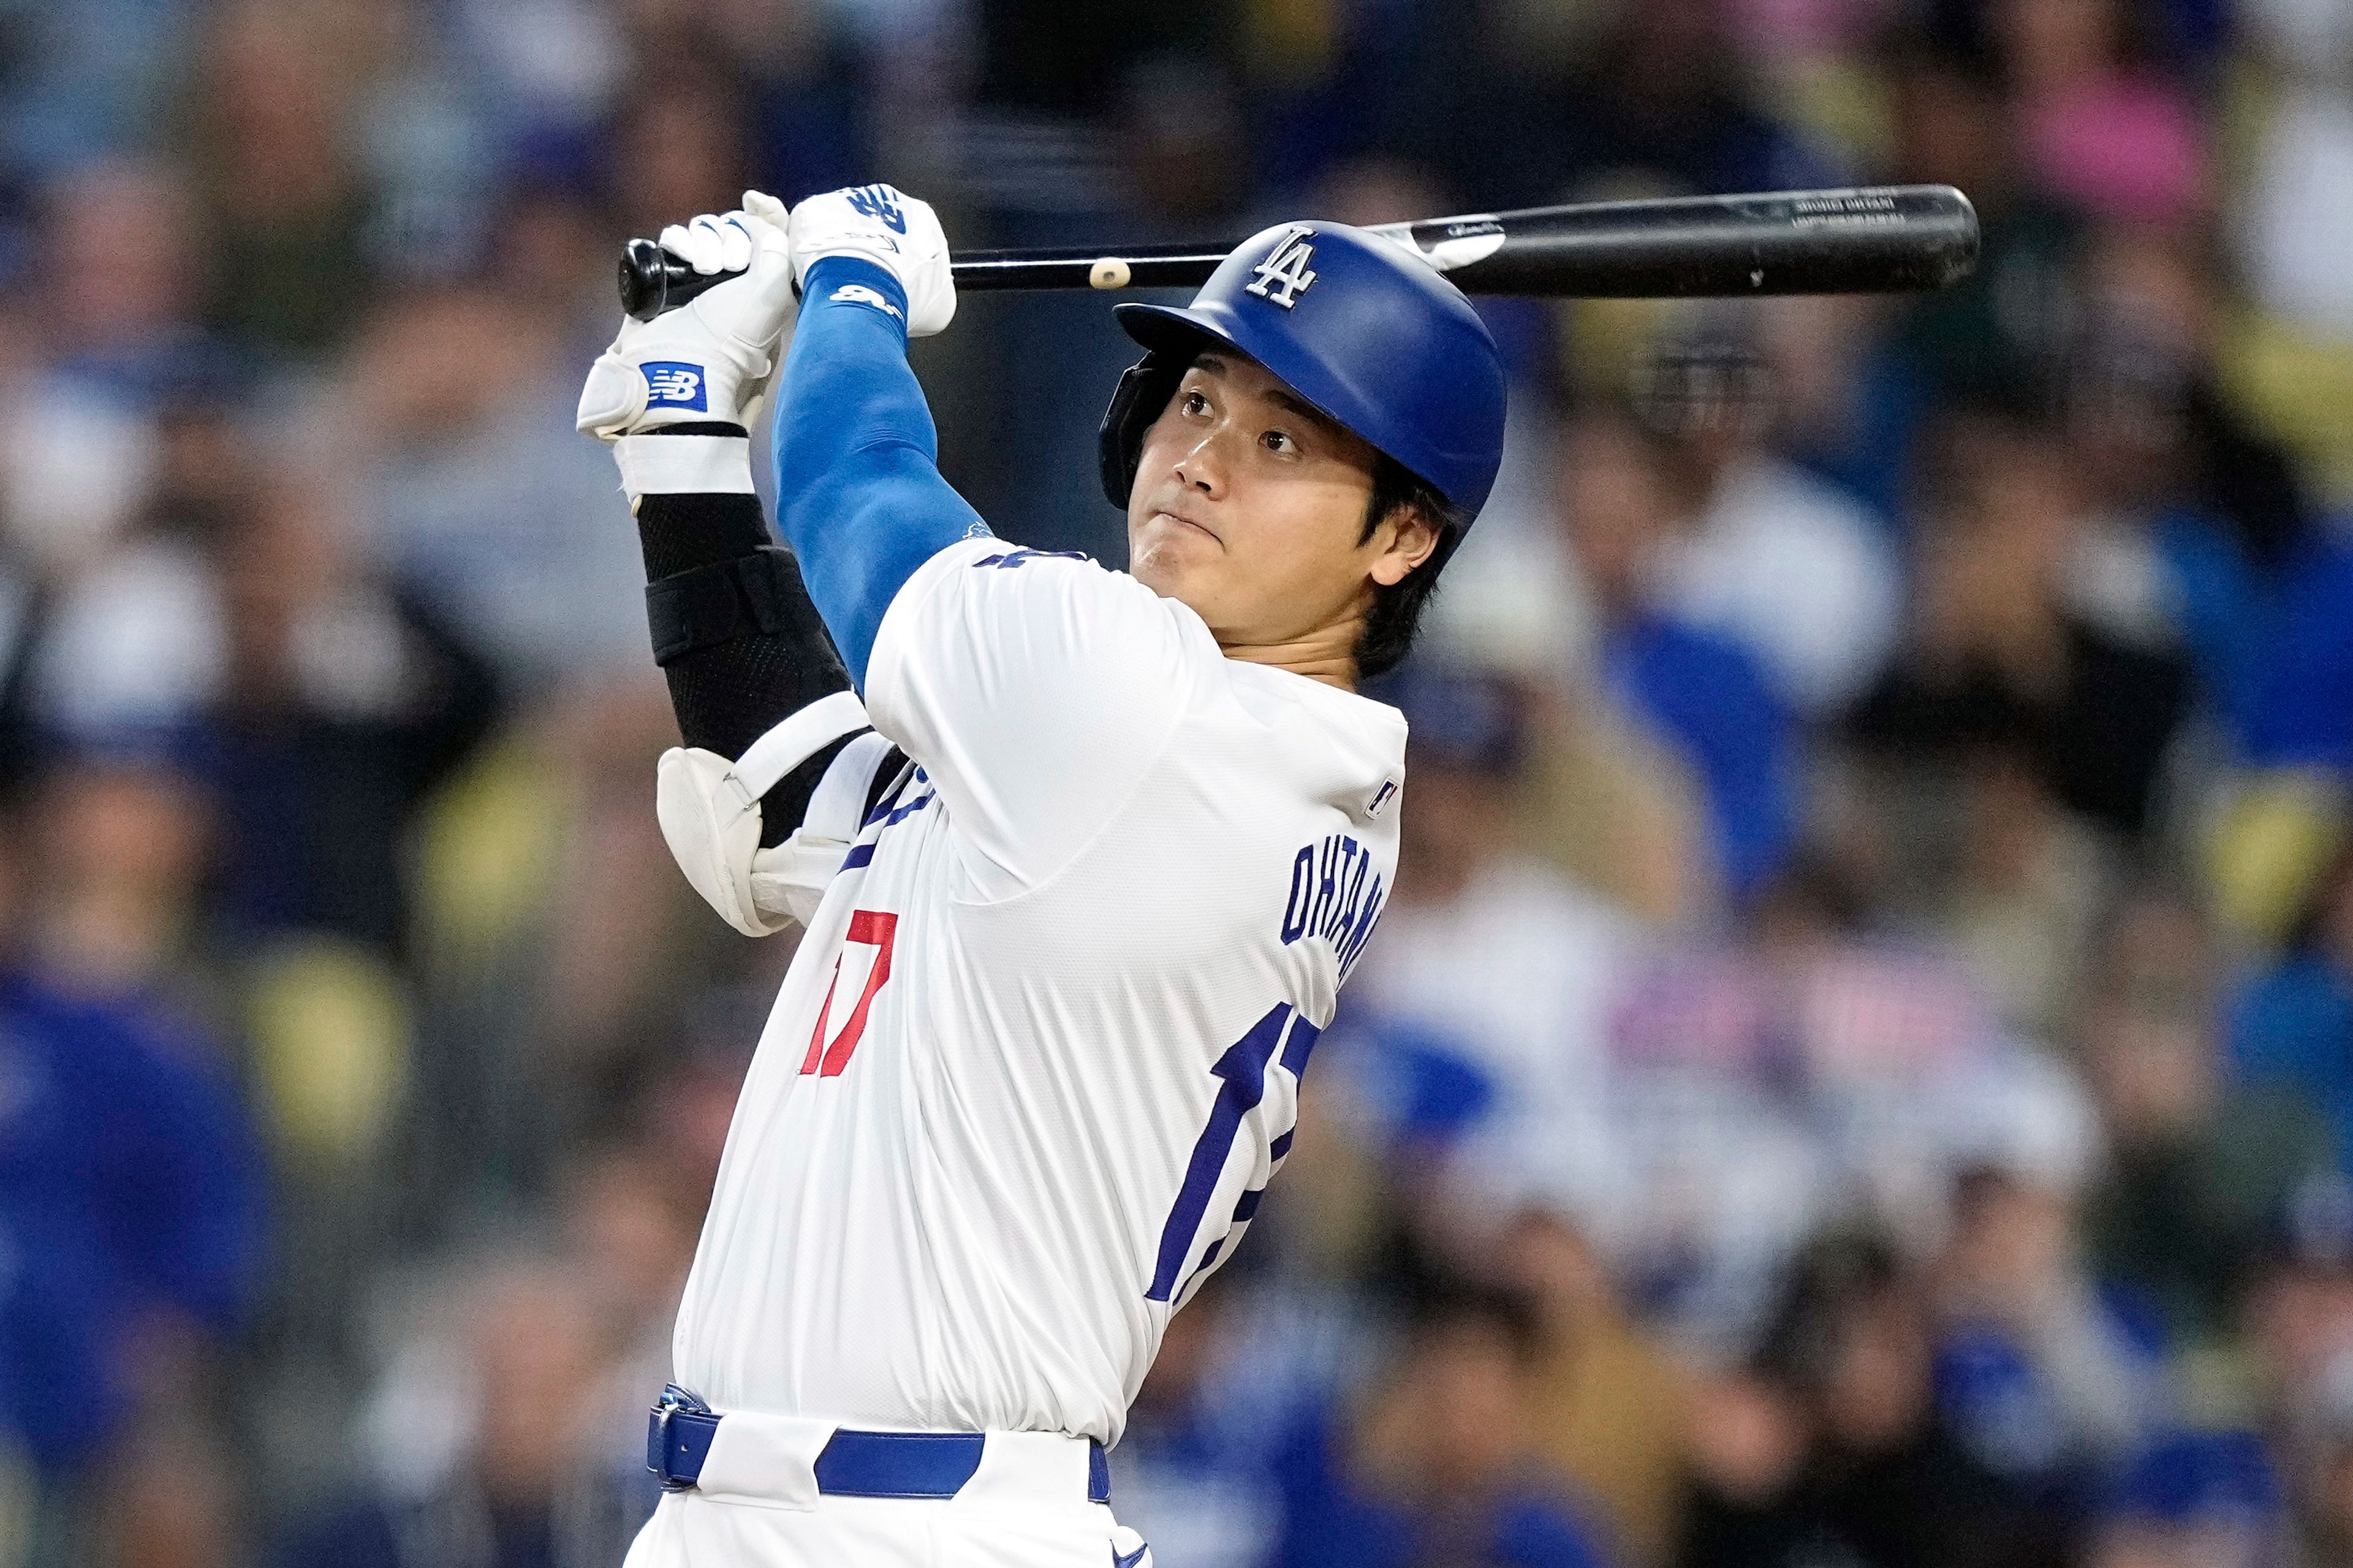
(1249, 507)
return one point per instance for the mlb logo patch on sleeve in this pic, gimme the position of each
(671, 384)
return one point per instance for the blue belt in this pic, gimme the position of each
(853, 1463)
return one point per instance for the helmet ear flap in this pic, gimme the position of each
(1143, 393)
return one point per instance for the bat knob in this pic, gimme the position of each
(1111, 272)
(645, 281)
(653, 281)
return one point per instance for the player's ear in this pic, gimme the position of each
(1405, 538)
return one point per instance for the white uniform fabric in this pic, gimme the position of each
(1038, 1054)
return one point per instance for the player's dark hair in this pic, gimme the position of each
(1395, 619)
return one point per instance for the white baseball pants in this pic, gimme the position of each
(758, 1507)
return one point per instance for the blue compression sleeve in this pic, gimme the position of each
(859, 490)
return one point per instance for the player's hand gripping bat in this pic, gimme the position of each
(1875, 240)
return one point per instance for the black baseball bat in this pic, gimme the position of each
(1873, 240)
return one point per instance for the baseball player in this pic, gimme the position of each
(1080, 876)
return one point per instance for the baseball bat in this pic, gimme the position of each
(1873, 240)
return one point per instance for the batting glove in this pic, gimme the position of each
(713, 357)
(893, 230)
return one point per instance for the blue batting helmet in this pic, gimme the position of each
(1352, 323)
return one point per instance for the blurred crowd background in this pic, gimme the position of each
(1859, 1074)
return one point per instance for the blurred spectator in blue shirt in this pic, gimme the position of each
(1435, 1469)
(2198, 523)
(93, 443)
(2292, 1027)
(2161, 552)
(2049, 1381)
(1829, 1446)
(123, 249)
(130, 1186)
(2298, 709)
(1198, 1474)
(1765, 553)
(1706, 695)
(131, 1201)
(2211, 1499)
(90, 79)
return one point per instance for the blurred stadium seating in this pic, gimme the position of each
(1859, 1074)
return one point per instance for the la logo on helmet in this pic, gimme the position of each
(1282, 276)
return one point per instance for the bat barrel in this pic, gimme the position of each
(1889, 239)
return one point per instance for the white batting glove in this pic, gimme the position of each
(893, 230)
(714, 357)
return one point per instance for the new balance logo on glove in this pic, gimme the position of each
(880, 203)
(671, 384)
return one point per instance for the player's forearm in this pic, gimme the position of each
(739, 642)
(860, 493)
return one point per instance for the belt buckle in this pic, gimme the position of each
(673, 1400)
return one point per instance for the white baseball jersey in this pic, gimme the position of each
(1039, 1053)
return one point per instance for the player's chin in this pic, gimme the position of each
(1166, 554)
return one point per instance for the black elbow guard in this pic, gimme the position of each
(746, 595)
(739, 643)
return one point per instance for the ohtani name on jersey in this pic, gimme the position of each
(1334, 894)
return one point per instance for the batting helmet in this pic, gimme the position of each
(1352, 323)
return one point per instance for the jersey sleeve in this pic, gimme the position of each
(793, 876)
(1035, 690)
